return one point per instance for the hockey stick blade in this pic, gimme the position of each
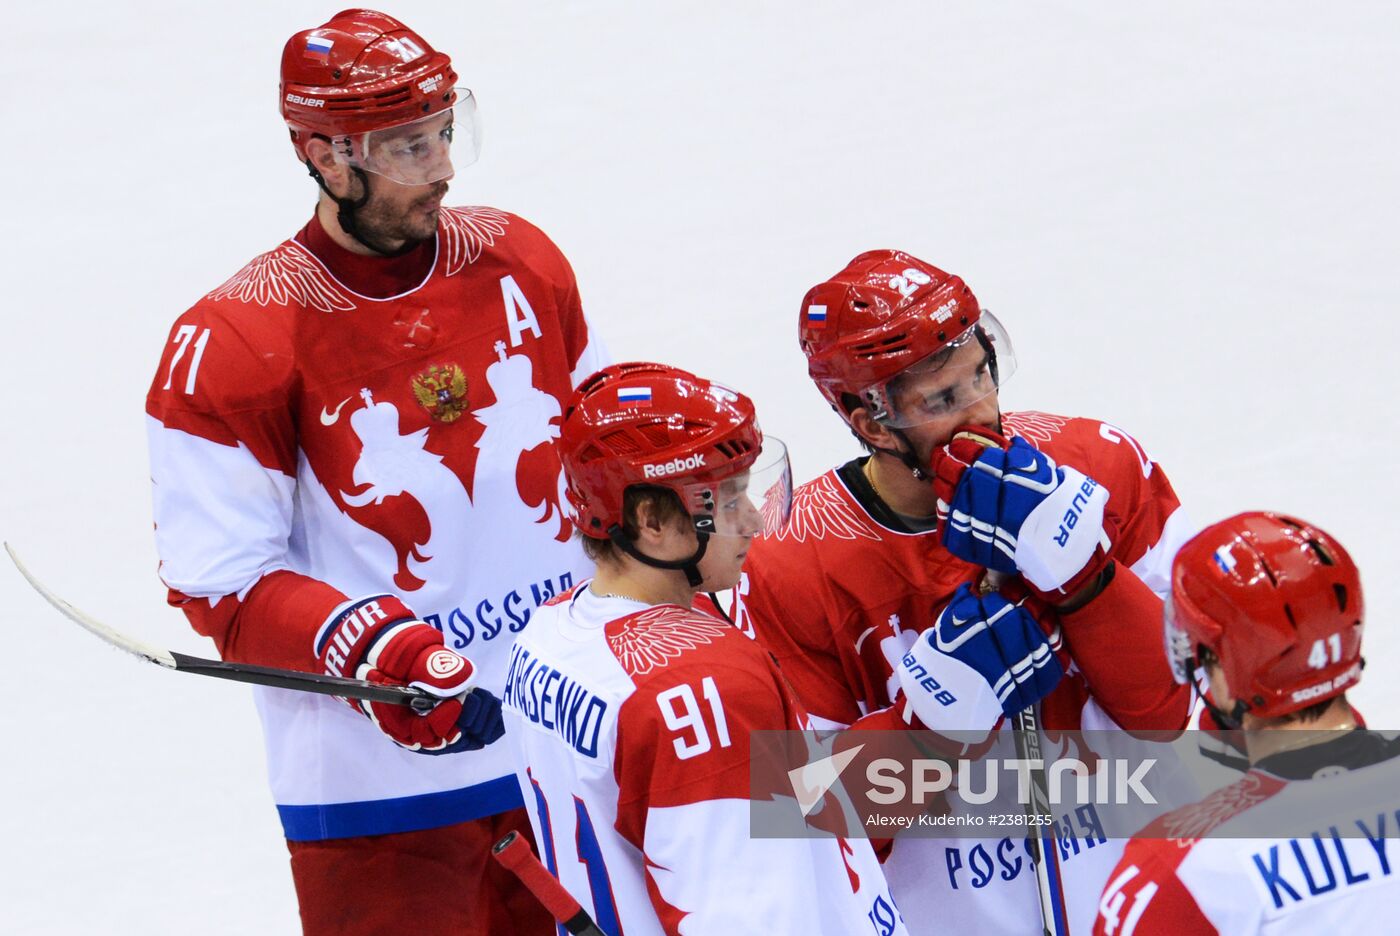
(239, 672)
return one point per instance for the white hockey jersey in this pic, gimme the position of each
(1342, 875)
(630, 729)
(312, 444)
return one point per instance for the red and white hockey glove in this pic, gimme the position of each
(378, 639)
(1006, 506)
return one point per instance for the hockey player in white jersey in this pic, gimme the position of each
(628, 711)
(1271, 608)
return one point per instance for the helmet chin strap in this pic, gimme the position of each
(1230, 721)
(346, 209)
(690, 566)
(906, 457)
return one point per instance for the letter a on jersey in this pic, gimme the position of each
(520, 318)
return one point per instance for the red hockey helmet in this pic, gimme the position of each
(364, 71)
(887, 316)
(1278, 602)
(650, 424)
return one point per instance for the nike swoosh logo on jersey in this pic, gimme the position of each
(328, 418)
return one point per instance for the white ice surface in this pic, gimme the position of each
(1185, 214)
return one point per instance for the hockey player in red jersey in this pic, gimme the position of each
(629, 712)
(1070, 513)
(354, 467)
(1271, 607)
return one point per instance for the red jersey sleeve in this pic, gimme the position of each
(1142, 505)
(683, 774)
(1144, 897)
(223, 449)
(1116, 640)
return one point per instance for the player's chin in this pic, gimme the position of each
(421, 225)
(723, 581)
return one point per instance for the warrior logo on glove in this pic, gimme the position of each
(445, 663)
(379, 639)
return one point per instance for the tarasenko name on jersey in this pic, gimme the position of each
(552, 700)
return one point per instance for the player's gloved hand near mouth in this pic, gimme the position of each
(378, 639)
(985, 657)
(1006, 506)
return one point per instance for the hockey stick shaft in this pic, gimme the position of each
(1044, 861)
(324, 684)
(513, 852)
(1042, 838)
(342, 686)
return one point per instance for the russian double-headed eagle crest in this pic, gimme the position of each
(442, 391)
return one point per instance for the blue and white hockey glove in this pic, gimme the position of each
(984, 658)
(1010, 508)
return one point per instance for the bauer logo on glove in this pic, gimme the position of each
(1008, 507)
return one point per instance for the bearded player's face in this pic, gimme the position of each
(936, 403)
(397, 215)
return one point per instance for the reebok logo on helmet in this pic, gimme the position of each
(674, 466)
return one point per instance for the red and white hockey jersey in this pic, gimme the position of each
(1342, 876)
(310, 443)
(630, 728)
(845, 588)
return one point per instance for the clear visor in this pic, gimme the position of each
(968, 369)
(419, 152)
(750, 503)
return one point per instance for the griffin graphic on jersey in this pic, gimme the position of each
(355, 471)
